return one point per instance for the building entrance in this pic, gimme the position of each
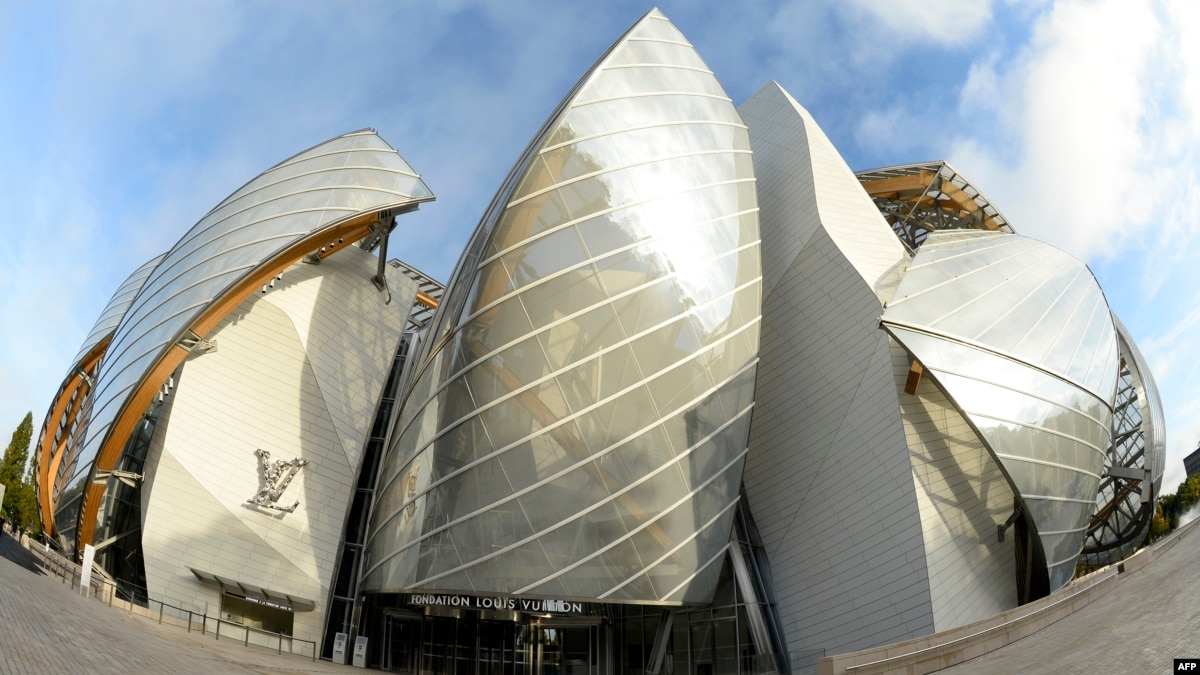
(467, 644)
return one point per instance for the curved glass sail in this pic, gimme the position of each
(355, 176)
(120, 303)
(57, 443)
(578, 420)
(1019, 336)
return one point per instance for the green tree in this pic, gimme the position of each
(12, 467)
(1169, 504)
(1159, 527)
(1188, 493)
(20, 502)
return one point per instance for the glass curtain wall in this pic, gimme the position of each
(579, 415)
(1020, 337)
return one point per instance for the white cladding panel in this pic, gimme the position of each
(298, 372)
(813, 187)
(828, 476)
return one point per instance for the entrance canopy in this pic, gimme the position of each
(297, 604)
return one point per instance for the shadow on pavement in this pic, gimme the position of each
(10, 548)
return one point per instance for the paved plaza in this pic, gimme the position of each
(1150, 618)
(46, 628)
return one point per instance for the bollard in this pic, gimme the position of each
(204, 626)
(280, 650)
(160, 609)
(218, 629)
(247, 642)
(189, 620)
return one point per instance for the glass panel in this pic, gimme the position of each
(637, 145)
(495, 328)
(572, 292)
(614, 82)
(631, 269)
(538, 176)
(507, 424)
(493, 282)
(603, 117)
(513, 569)
(534, 215)
(542, 257)
(642, 51)
(658, 29)
(601, 570)
(500, 375)
(567, 342)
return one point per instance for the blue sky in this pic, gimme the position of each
(122, 124)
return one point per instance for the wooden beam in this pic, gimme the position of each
(66, 407)
(880, 186)
(967, 203)
(914, 378)
(427, 300)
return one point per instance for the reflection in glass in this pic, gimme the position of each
(1019, 337)
(582, 404)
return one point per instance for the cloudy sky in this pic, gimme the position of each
(122, 124)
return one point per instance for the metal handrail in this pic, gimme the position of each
(105, 591)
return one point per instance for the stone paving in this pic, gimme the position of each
(47, 628)
(1149, 619)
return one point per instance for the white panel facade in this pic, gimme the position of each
(297, 372)
(828, 475)
(815, 188)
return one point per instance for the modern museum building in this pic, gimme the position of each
(696, 398)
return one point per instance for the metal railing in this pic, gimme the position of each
(105, 591)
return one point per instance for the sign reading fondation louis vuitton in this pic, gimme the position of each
(497, 602)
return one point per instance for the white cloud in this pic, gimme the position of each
(1086, 133)
(1183, 16)
(1084, 175)
(943, 22)
(142, 119)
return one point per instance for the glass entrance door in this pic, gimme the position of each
(714, 647)
(431, 645)
(567, 650)
(402, 644)
(502, 649)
